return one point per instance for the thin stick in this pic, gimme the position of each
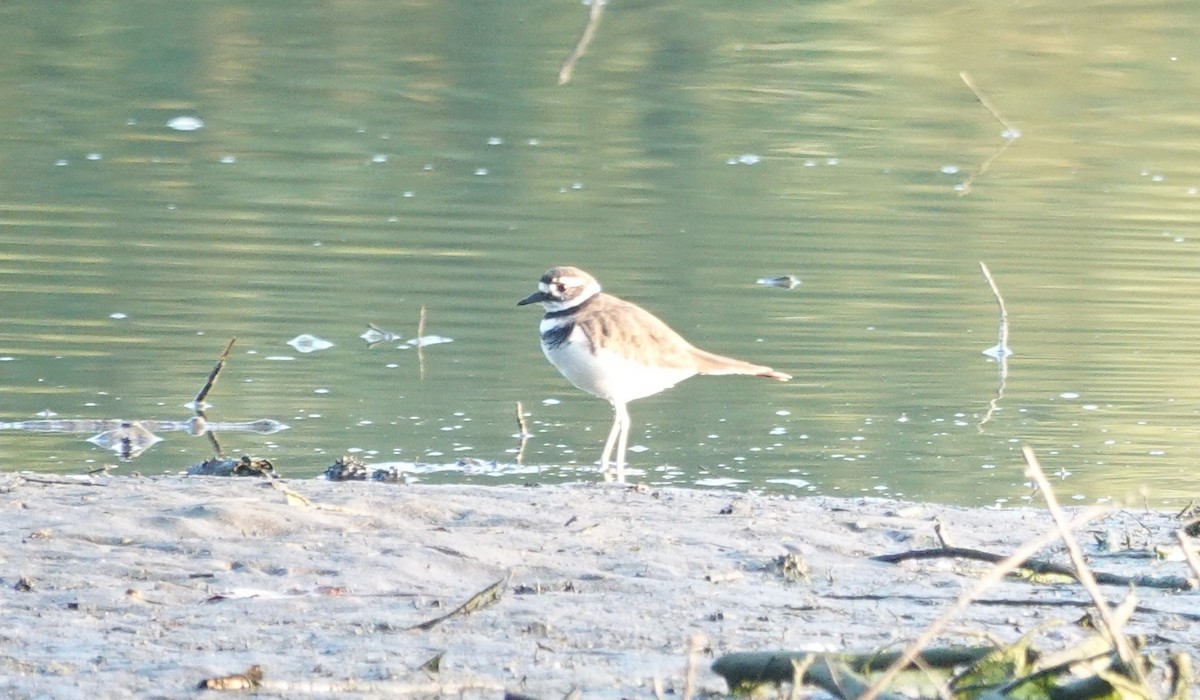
(212, 377)
(999, 571)
(479, 601)
(987, 104)
(1002, 347)
(523, 432)
(1034, 470)
(421, 343)
(1010, 133)
(1188, 553)
(521, 421)
(695, 645)
(589, 32)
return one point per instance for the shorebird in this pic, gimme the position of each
(617, 351)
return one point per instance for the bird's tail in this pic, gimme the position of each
(711, 363)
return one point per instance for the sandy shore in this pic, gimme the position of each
(143, 587)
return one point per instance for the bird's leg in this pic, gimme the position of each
(623, 440)
(609, 444)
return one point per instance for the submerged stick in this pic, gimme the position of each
(1002, 351)
(589, 32)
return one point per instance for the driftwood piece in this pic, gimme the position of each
(479, 601)
(1039, 567)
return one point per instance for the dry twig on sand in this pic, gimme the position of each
(1038, 567)
(1033, 469)
(995, 575)
(479, 601)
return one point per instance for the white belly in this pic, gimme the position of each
(608, 375)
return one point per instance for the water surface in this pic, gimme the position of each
(359, 161)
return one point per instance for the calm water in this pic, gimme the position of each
(361, 160)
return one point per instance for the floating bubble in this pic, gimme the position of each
(427, 340)
(186, 123)
(745, 159)
(785, 281)
(307, 343)
(996, 352)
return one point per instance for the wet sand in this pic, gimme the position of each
(144, 587)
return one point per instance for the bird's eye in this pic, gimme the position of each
(560, 287)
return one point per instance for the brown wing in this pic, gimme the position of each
(632, 332)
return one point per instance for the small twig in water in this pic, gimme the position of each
(198, 402)
(1010, 133)
(1001, 350)
(421, 343)
(523, 432)
(589, 32)
(521, 422)
(987, 104)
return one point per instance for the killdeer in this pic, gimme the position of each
(618, 351)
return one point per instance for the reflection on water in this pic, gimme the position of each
(412, 167)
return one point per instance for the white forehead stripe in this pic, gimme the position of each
(543, 287)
